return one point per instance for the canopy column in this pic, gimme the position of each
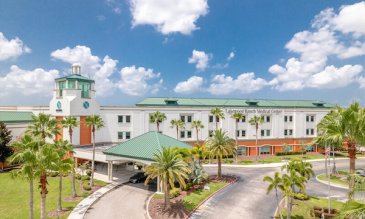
(110, 170)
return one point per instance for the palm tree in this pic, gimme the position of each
(256, 120)
(71, 122)
(274, 184)
(197, 125)
(157, 117)
(63, 165)
(95, 122)
(47, 157)
(200, 152)
(218, 114)
(219, 145)
(43, 126)
(178, 124)
(237, 116)
(25, 154)
(344, 126)
(300, 167)
(169, 167)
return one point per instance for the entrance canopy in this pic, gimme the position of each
(143, 147)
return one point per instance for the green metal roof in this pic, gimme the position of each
(207, 102)
(15, 117)
(144, 146)
(75, 77)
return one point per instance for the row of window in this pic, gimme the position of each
(124, 135)
(242, 150)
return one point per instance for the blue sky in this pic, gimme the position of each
(282, 49)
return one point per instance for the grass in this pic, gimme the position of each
(195, 198)
(15, 196)
(303, 209)
(278, 159)
(339, 180)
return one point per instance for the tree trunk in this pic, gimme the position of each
(60, 193)
(352, 155)
(73, 169)
(334, 169)
(197, 135)
(257, 148)
(177, 133)
(236, 141)
(31, 201)
(93, 162)
(158, 127)
(277, 202)
(219, 167)
(288, 207)
(43, 182)
(167, 195)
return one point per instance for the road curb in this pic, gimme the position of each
(332, 184)
(148, 205)
(277, 209)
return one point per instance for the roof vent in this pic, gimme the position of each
(252, 102)
(318, 103)
(76, 69)
(171, 101)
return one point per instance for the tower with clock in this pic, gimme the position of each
(74, 95)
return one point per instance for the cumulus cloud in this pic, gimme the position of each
(193, 84)
(200, 58)
(135, 81)
(244, 83)
(27, 82)
(230, 56)
(168, 16)
(336, 36)
(11, 48)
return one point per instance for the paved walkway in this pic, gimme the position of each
(125, 202)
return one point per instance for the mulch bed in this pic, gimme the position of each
(57, 213)
(157, 210)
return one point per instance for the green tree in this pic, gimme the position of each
(256, 121)
(197, 125)
(199, 152)
(5, 149)
(63, 165)
(26, 155)
(237, 116)
(157, 117)
(218, 114)
(43, 126)
(275, 182)
(344, 126)
(220, 145)
(95, 122)
(169, 167)
(71, 122)
(197, 174)
(178, 124)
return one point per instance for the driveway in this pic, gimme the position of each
(247, 198)
(125, 202)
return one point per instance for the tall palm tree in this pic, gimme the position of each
(237, 116)
(43, 126)
(218, 114)
(71, 122)
(197, 125)
(301, 168)
(63, 165)
(256, 121)
(219, 145)
(169, 167)
(157, 117)
(344, 126)
(95, 122)
(178, 124)
(275, 182)
(47, 158)
(25, 154)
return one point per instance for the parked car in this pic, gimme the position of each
(138, 178)
(360, 173)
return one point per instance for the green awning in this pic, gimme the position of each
(15, 117)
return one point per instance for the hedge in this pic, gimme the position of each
(289, 153)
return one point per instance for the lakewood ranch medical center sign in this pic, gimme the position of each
(254, 111)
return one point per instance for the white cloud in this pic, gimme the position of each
(91, 66)
(27, 82)
(193, 84)
(12, 48)
(135, 81)
(168, 16)
(115, 5)
(230, 56)
(200, 58)
(351, 19)
(244, 83)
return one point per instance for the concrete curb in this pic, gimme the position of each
(80, 209)
(148, 205)
(277, 209)
(332, 183)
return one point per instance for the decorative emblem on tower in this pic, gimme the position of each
(86, 104)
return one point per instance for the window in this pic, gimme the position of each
(210, 133)
(124, 119)
(241, 120)
(310, 131)
(266, 133)
(124, 135)
(182, 134)
(241, 133)
(266, 118)
(287, 148)
(128, 119)
(185, 134)
(241, 151)
(186, 118)
(189, 118)
(189, 134)
(120, 119)
(210, 118)
(288, 118)
(310, 118)
(309, 148)
(288, 132)
(262, 133)
(265, 150)
(182, 118)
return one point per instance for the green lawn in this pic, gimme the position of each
(15, 196)
(278, 159)
(195, 198)
(333, 179)
(303, 209)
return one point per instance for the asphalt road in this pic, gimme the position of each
(247, 198)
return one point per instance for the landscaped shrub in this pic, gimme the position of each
(86, 186)
(174, 192)
(187, 186)
(84, 178)
(227, 161)
(78, 176)
(88, 172)
(289, 153)
(206, 161)
(301, 196)
(246, 161)
(53, 174)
